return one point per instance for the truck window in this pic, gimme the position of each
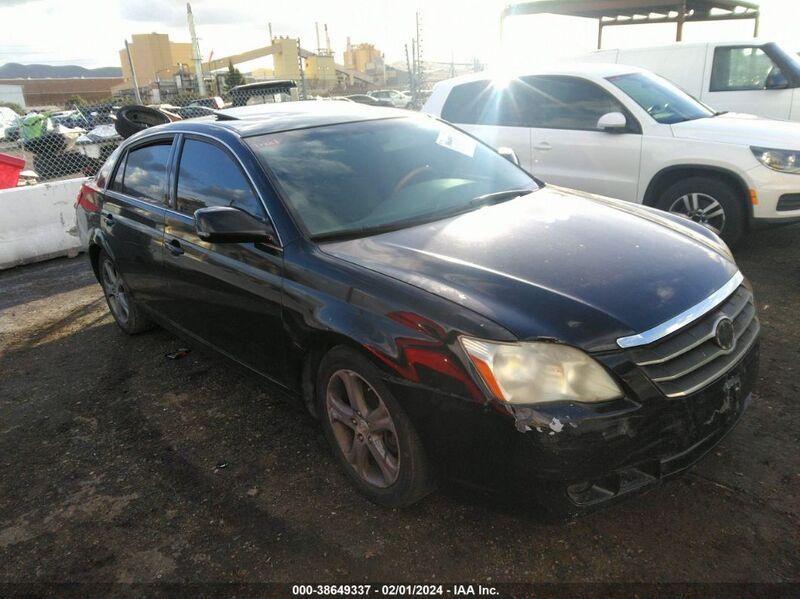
(740, 68)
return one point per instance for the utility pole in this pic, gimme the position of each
(198, 61)
(302, 74)
(133, 73)
(410, 74)
(414, 68)
(420, 74)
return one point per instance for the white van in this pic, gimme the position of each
(761, 78)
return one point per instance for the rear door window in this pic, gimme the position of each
(145, 172)
(208, 176)
(506, 103)
(741, 68)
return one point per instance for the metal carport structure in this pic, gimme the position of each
(640, 12)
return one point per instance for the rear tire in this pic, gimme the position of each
(388, 465)
(710, 202)
(127, 314)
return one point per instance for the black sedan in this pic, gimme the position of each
(441, 311)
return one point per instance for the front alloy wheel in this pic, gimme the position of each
(363, 428)
(711, 201)
(371, 436)
(701, 208)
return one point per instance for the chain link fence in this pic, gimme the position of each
(75, 141)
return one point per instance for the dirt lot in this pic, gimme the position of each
(120, 465)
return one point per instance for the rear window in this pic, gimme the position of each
(105, 171)
(145, 175)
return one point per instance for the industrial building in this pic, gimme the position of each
(364, 58)
(155, 58)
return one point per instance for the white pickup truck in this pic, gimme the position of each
(754, 77)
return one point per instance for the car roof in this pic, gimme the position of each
(260, 119)
(588, 69)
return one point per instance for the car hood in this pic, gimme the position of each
(745, 129)
(554, 264)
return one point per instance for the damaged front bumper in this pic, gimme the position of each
(591, 454)
(574, 456)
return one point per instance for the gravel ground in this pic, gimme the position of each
(120, 465)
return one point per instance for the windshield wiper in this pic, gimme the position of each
(483, 200)
(489, 199)
(720, 112)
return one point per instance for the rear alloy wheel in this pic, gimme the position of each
(710, 202)
(123, 308)
(369, 432)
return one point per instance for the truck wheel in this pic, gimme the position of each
(712, 203)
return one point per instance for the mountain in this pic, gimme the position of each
(14, 70)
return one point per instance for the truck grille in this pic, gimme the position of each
(691, 358)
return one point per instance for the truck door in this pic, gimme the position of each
(747, 79)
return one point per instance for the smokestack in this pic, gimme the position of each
(327, 40)
(270, 32)
(316, 27)
(198, 61)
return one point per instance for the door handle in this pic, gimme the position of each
(543, 146)
(174, 247)
(109, 218)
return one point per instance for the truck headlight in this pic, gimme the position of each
(785, 161)
(538, 372)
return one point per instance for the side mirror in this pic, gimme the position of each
(508, 154)
(776, 80)
(613, 122)
(223, 224)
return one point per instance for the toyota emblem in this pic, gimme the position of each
(724, 335)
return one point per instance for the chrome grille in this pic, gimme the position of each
(690, 359)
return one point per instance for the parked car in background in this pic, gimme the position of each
(439, 310)
(761, 78)
(398, 99)
(370, 101)
(627, 133)
(213, 102)
(193, 111)
(265, 92)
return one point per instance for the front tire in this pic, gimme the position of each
(371, 436)
(710, 202)
(121, 304)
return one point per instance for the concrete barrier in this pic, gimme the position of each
(38, 222)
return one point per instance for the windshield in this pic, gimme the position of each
(361, 178)
(664, 101)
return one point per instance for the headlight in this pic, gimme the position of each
(537, 372)
(786, 161)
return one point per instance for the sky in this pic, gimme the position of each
(90, 32)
